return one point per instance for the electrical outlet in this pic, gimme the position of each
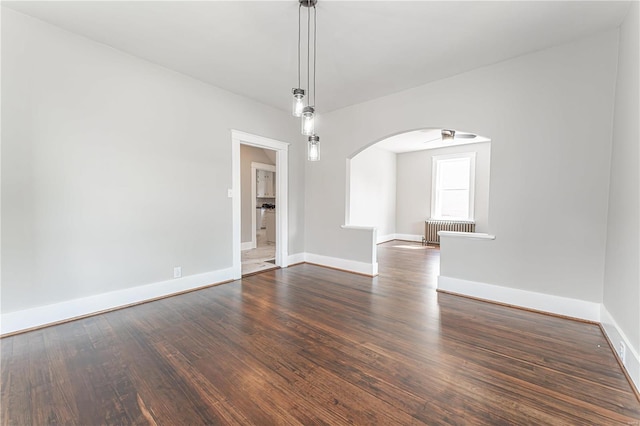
(177, 272)
(622, 351)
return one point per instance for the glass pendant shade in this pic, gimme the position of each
(298, 102)
(313, 148)
(308, 121)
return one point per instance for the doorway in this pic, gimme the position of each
(259, 206)
(393, 184)
(277, 187)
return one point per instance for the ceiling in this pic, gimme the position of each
(419, 140)
(365, 49)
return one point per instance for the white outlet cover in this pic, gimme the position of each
(622, 351)
(177, 272)
(230, 193)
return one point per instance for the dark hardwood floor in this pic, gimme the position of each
(310, 345)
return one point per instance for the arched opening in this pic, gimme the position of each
(401, 181)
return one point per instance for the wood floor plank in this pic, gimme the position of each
(310, 345)
(311, 380)
(16, 385)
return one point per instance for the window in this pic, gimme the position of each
(452, 186)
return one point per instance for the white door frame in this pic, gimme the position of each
(254, 194)
(282, 165)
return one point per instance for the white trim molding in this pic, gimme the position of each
(296, 258)
(574, 308)
(384, 238)
(41, 316)
(437, 160)
(409, 237)
(370, 269)
(616, 335)
(282, 178)
(401, 237)
(418, 238)
(71, 309)
(469, 235)
(363, 268)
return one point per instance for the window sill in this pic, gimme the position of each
(467, 235)
(436, 219)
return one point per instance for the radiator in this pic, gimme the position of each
(431, 228)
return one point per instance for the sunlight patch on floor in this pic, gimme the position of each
(405, 246)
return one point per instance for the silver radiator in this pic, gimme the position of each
(431, 228)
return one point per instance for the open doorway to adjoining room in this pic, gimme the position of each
(260, 200)
(259, 206)
(402, 183)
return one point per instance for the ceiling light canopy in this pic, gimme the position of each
(448, 135)
(301, 106)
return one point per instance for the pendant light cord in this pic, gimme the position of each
(314, 55)
(299, 7)
(308, 54)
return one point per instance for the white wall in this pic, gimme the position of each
(549, 116)
(415, 182)
(622, 270)
(249, 154)
(115, 170)
(373, 191)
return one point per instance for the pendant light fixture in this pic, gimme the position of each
(307, 112)
(313, 148)
(298, 102)
(308, 121)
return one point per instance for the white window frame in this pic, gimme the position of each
(472, 183)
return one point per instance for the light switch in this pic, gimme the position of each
(230, 193)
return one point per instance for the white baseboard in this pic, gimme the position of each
(409, 237)
(370, 269)
(247, 245)
(384, 238)
(364, 268)
(296, 258)
(57, 312)
(616, 335)
(402, 237)
(558, 305)
(388, 237)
